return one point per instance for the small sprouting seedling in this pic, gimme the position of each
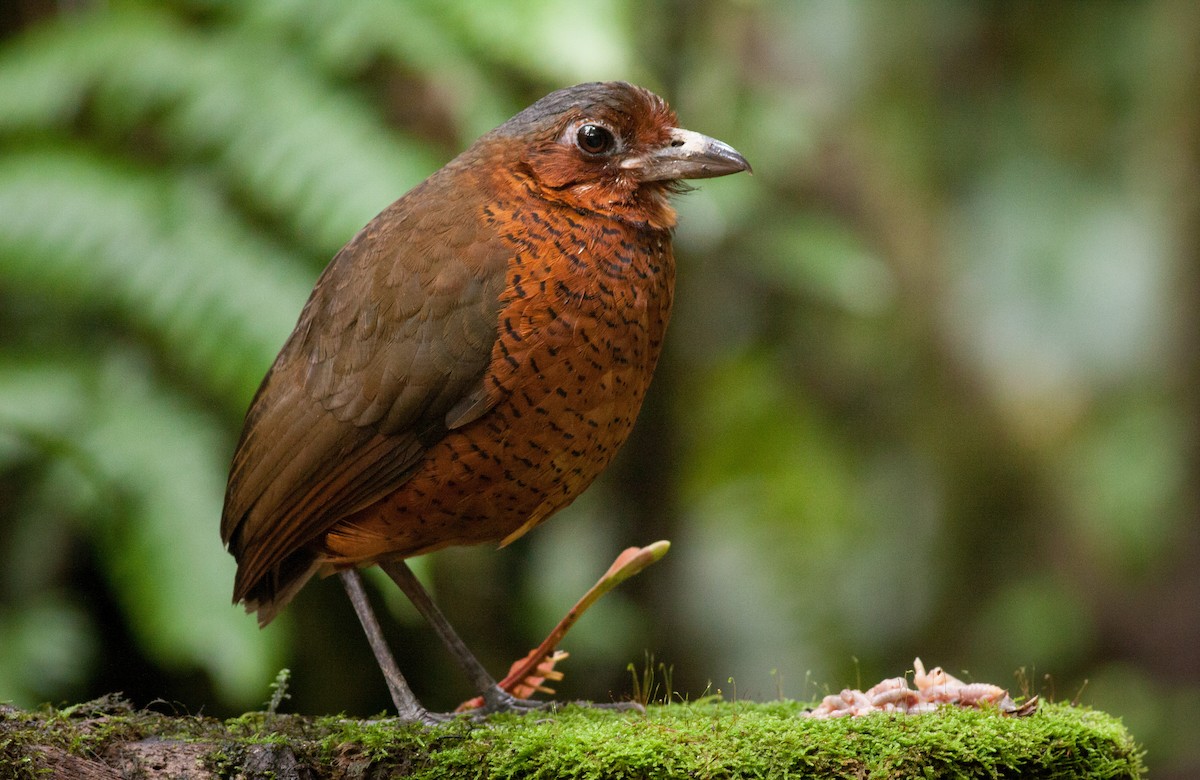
(1079, 693)
(654, 684)
(1049, 687)
(279, 690)
(527, 674)
(1024, 684)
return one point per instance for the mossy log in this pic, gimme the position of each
(707, 739)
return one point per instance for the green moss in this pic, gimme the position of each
(700, 740)
(757, 740)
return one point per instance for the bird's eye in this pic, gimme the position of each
(595, 139)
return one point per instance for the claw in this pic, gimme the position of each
(499, 700)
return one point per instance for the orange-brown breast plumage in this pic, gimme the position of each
(581, 324)
(475, 356)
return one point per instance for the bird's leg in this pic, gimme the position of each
(495, 698)
(407, 706)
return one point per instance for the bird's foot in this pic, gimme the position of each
(427, 718)
(499, 700)
(496, 699)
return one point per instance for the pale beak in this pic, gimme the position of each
(687, 155)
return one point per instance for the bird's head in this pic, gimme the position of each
(612, 148)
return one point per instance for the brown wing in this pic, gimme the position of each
(394, 340)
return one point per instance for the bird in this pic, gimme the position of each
(470, 361)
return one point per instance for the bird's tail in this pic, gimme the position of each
(272, 592)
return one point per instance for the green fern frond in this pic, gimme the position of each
(346, 39)
(294, 145)
(149, 492)
(165, 255)
(561, 42)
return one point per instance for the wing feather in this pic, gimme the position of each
(398, 331)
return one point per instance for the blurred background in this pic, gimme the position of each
(932, 387)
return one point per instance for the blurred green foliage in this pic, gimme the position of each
(931, 387)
